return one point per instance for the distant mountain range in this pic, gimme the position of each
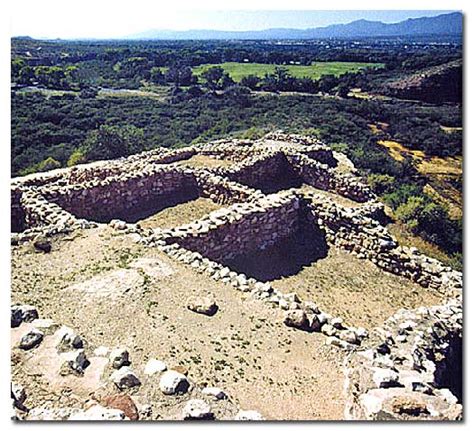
(442, 25)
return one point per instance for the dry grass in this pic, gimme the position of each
(406, 238)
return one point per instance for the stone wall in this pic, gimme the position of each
(108, 198)
(239, 229)
(403, 373)
(349, 229)
(323, 177)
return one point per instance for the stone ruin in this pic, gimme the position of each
(408, 369)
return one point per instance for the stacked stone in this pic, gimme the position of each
(346, 228)
(410, 369)
(106, 197)
(323, 177)
(241, 228)
(224, 191)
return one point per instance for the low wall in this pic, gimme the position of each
(239, 229)
(411, 369)
(123, 195)
(321, 176)
(347, 229)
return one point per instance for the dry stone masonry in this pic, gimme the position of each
(408, 368)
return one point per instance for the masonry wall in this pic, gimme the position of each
(325, 178)
(368, 239)
(123, 195)
(239, 229)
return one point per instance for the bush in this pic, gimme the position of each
(76, 158)
(381, 183)
(48, 164)
(112, 142)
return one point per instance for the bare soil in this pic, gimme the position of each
(244, 348)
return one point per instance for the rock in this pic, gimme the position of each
(216, 393)
(337, 322)
(248, 415)
(74, 362)
(173, 382)
(296, 319)
(197, 409)
(203, 305)
(328, 329)
(68, 339)
(348, 336)
(409, 405)
(18, 395)
(121, 402)
(99, 413)
(125, 378)
(154, 366)
(118, 224)
(16, 318)
(42, 244)
(31, 339)
(119, 357)
(22, 313)
(385, 378)
(101, 351)
(313, 322)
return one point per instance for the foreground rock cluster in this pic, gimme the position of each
(66, 352)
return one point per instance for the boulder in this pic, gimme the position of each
(73, 362)
(121, 402)
(68, 339)
(154, 366)
(296, 319)
(385, 378)
(119, 357)
(173, 382)
(125, 378)
(214, 392)
(197, 409)
(22, 313)
(248, 415)
(31, 339)
(42, 244)
(18, 395)
(203, 305)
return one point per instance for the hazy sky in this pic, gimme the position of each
(96, 19)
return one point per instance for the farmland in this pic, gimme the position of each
(237, 71)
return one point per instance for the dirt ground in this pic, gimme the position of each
(202, 161)
(244, 348)
(356, 290)
(180, 214)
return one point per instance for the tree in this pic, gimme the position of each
(157, 76)
(216, 78)
(48, 164)
(251, 81)
(111, 142)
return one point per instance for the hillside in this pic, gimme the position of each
(436, 84)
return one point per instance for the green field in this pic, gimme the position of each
(238, 70)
